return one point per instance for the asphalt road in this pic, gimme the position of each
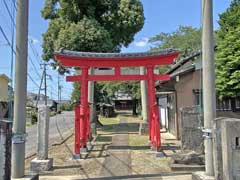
(60, 126)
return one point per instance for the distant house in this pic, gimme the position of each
(39, 100)
(185, 90)
(123, 101)
(50, 103)
(34, 97)
(4, 80)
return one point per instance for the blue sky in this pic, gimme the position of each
(160, 16)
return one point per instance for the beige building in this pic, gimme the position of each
(185, 90)
(4, 80)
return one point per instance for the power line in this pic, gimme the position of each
(4, 19)
(9, 13)
(9, 44)
(14, 24)
(34, 67)
(34, 82)
(14, 4)
(35, 53)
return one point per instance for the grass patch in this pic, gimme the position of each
(109, 121)
(137, 140)
(28, 124)
(52, 113)
(109, 124)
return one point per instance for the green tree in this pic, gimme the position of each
(76, 92)
(90, 25)
(186, 39)
(228, 52)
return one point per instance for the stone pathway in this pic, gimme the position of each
(118, 163)
(118, 153)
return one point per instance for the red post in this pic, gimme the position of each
(154, 123)
(117, 71)
(88, 124)
(84, 109)
(77, 130)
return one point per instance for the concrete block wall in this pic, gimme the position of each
(5, 149)
(191, 122)
(230, 134)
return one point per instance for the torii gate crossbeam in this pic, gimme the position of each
(84, 61)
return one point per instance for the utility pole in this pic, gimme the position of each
(39, 90)
(209, 92)
(58, 86)
(59, 105)
(60, 94)
(45, 83)
(20, 90)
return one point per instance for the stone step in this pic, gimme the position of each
(131, 177)
(189, 168)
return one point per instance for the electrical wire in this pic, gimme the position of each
(35, 53)
(14, 24)
(14, 4)
(9, 12)
(9, 44)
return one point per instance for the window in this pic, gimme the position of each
(198, 97)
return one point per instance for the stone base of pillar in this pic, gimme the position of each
(89, 146)
(41, 165)
(159, 155)
(93, 129)
(33, 177)
(76, 157)
(201, 176)
(143, 128)
(83, 150)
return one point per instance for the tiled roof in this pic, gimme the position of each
(115, 55)
(182, 61)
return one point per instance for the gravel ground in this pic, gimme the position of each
(118, 153)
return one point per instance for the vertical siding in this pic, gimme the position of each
(185, 95)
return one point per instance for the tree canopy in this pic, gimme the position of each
(186, 39)
(228, 52)
(90, 26)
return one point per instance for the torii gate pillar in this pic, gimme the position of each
(82, 118)
(154, 120)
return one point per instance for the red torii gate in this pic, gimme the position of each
(84, 61)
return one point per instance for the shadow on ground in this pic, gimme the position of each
(143, 176)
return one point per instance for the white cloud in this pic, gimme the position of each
(142, 43)
(34, 40)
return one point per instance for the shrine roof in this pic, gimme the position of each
(115, 55)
